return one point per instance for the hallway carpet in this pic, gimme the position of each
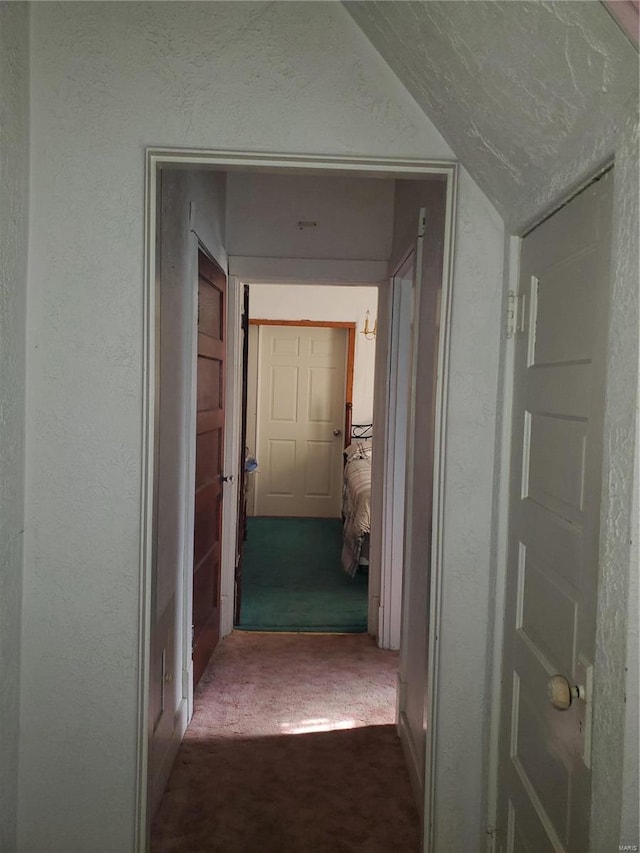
(292, 749)
(293, 580)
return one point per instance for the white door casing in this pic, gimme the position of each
(402, 295)
(159, 158)
(544, 777)
(301, 399)
(410, 710)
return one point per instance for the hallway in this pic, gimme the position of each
(292, 749)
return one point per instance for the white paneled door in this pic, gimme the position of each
(301, 408)
(556, 476)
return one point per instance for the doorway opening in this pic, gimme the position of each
(308, 372)
(180, 184)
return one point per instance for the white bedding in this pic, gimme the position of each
(356, 503)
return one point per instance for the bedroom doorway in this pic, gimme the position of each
(295, 572)
(300, 383)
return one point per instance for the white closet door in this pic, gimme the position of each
(556, 477)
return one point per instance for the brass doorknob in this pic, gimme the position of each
(562, 693)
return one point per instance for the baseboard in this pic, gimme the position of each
(374, 623)
(181, 719)
(172, 745)
(411, 756)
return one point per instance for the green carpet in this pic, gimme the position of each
(292, 578)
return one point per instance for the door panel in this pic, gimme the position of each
(553, 461)
(300, 410)
(209, 459)
(556, 475)
(320, 399)
(281, 464)
(318, 479)
(208, 456)
(209, 383)
(284, 394)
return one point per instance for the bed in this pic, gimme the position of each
(356, 499)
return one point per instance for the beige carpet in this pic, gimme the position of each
(292, 749)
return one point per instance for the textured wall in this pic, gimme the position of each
(615, 739)
(353, 215)
(14, 164)
(108, 79)
(463, 695)
(630, 824)
(533, 97)
(528, 95)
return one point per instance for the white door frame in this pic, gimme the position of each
(395, 452)
(514, 246)
(363, 167)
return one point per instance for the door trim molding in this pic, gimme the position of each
(350, 361)
(437, 545)
(155, 159)
(500, 545)
(395, 442)
(350, 353)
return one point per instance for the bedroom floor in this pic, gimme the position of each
(292, 749)
(293, 579)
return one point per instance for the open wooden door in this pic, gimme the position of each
(212, 284)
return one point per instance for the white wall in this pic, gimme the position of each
(411, 196)
(325, 302)
(526, 94)
(630, 823)
(14, 164)
(463, 697)
(533, 122)
(615, 732)
(353, 216)
(108, 79)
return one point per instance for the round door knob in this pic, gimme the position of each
(337, 432)
(561, 692)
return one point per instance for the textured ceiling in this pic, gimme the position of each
(530, 95)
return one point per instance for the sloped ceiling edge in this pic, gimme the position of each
(531, 96)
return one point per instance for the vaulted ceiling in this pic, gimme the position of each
(530, 95)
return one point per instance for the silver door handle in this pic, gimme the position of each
(337, 432)
(227, 479)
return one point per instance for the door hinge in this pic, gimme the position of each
(422, 221)
(515, 313)
(492, 838)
